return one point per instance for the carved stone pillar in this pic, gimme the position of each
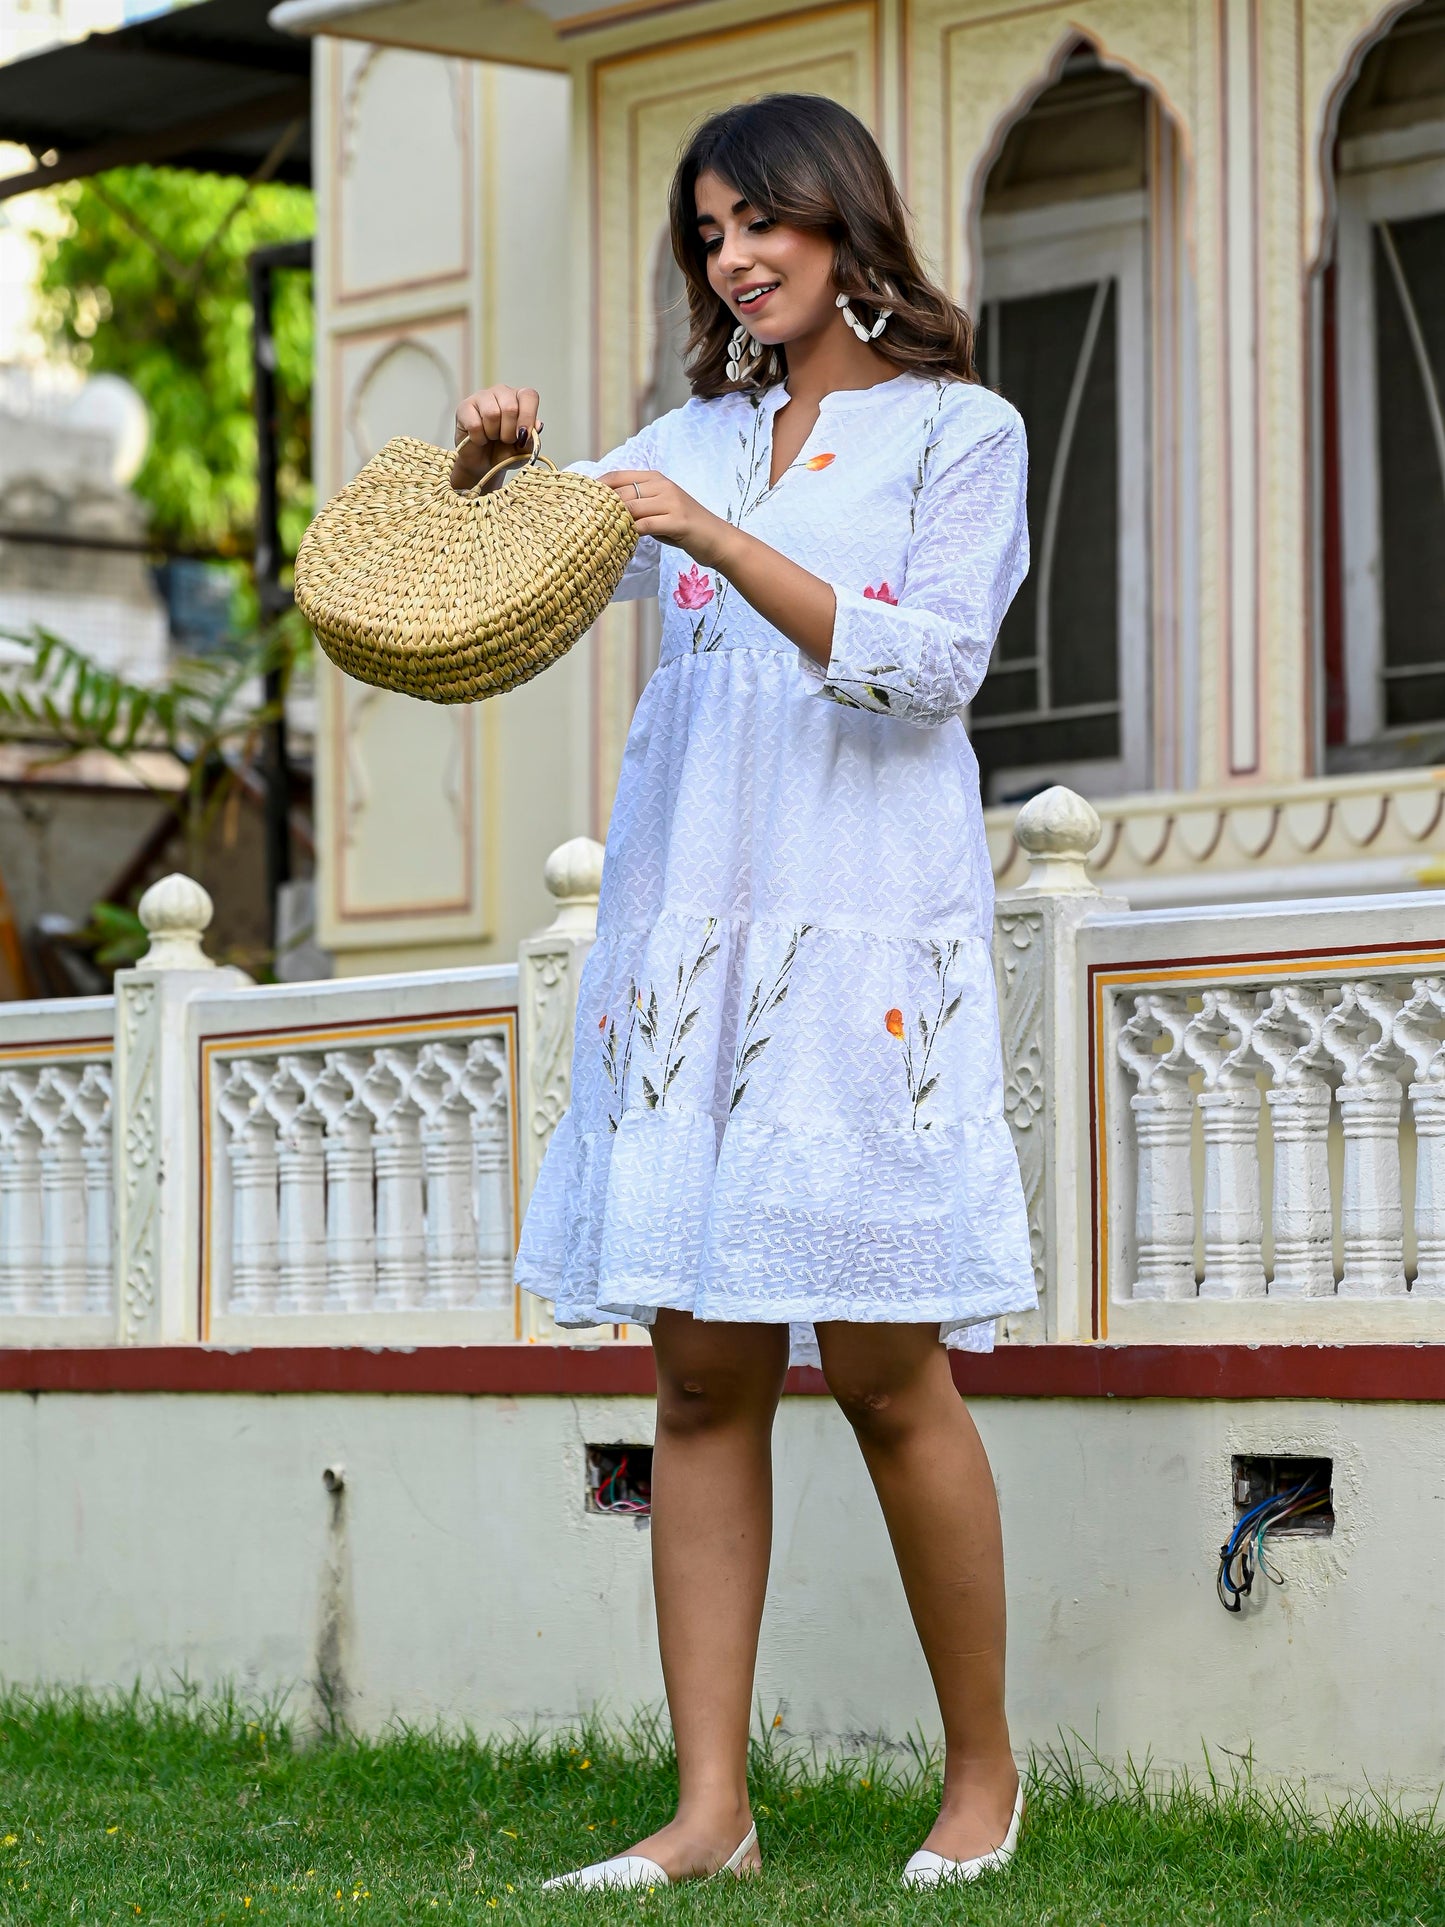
(301, 1176)
(1372, 1222)
(1288, 1037)
(1219, 1041)
(1163, 1113)
(486, 1085)
(1428, 1103)
(21, 1230)
(93, 1108)
(350, 1213)
(1360, 1034)
(62, 1194)
(157, 1133)
(1045, 1078)
(251, 1155)
(1164, 1195)
(549, 967)
(1233, 1215)
(1420, 1031)
(1304, 1265)
(397, 1160)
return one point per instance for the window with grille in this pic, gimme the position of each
(1062, 334)
(1384, 327)
(1053, 691)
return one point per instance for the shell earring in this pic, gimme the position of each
(865, 335)
(744, 355)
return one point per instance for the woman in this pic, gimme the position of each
(786, 1113)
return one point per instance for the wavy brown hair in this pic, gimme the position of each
(804, 160)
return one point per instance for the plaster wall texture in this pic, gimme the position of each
(459, 1578)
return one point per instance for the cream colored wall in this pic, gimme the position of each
(1250, 89)
(444, 263)
(433, 826)
(464, 1581)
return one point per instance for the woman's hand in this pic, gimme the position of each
(661, 508)
(491, 425)
(800, 605)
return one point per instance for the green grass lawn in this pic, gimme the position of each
(174, 1811)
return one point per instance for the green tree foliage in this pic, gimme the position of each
(148, 280)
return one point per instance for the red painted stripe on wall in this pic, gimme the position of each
(1413, 1373)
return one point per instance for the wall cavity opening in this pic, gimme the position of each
(1261, 1479)
(619, 1479)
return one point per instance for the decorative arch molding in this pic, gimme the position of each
(401, 165)
(1075, 39)
(402, 349)
(1338, 35)
(973, 77)
(355, 85)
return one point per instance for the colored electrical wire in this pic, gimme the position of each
(611, 1486)
(1243, 1553)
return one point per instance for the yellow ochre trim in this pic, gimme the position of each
(97, 1048)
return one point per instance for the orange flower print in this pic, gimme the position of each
(602, 1021)
(881, 594)
(816, 462)
(893, 1022)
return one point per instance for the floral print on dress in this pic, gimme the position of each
(612, 1064)
(694, 589)
(881, 594)
(761, 1006)
(918, 1051)
(925, 456)
(686, 1011)
(865, 692)
(815, 462)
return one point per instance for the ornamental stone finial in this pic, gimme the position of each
(1057, 829)
(176, 913)
(573, 874)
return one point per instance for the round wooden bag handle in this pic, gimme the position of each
(533, 454)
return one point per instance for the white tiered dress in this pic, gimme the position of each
(786, 1086)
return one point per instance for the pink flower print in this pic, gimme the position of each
(694, 589)
(881, 594)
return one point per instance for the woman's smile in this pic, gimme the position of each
(752, 298)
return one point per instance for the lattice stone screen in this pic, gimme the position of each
(362, 1178)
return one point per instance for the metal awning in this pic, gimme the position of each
(212, 87)
(530, 33)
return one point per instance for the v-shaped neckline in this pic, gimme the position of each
(835, 398)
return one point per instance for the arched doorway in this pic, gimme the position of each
(1085, 326)
(1382, 407)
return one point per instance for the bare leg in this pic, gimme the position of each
(712, 1525)
(932, 1478)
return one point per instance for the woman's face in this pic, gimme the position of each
(777, 280)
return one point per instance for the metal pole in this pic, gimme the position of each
(273, 597)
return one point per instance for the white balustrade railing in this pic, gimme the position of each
(56, 1187)
(1230, 1125)
(361, 1169)
(337, 1162)
(1249, 1106)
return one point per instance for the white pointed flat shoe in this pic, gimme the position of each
(928, 1869)
(636, 1870)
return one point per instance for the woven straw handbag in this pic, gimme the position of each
(452, 595)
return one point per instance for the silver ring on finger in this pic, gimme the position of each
(637, 490)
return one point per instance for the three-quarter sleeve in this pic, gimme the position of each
(922, 658)
(639, 578)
